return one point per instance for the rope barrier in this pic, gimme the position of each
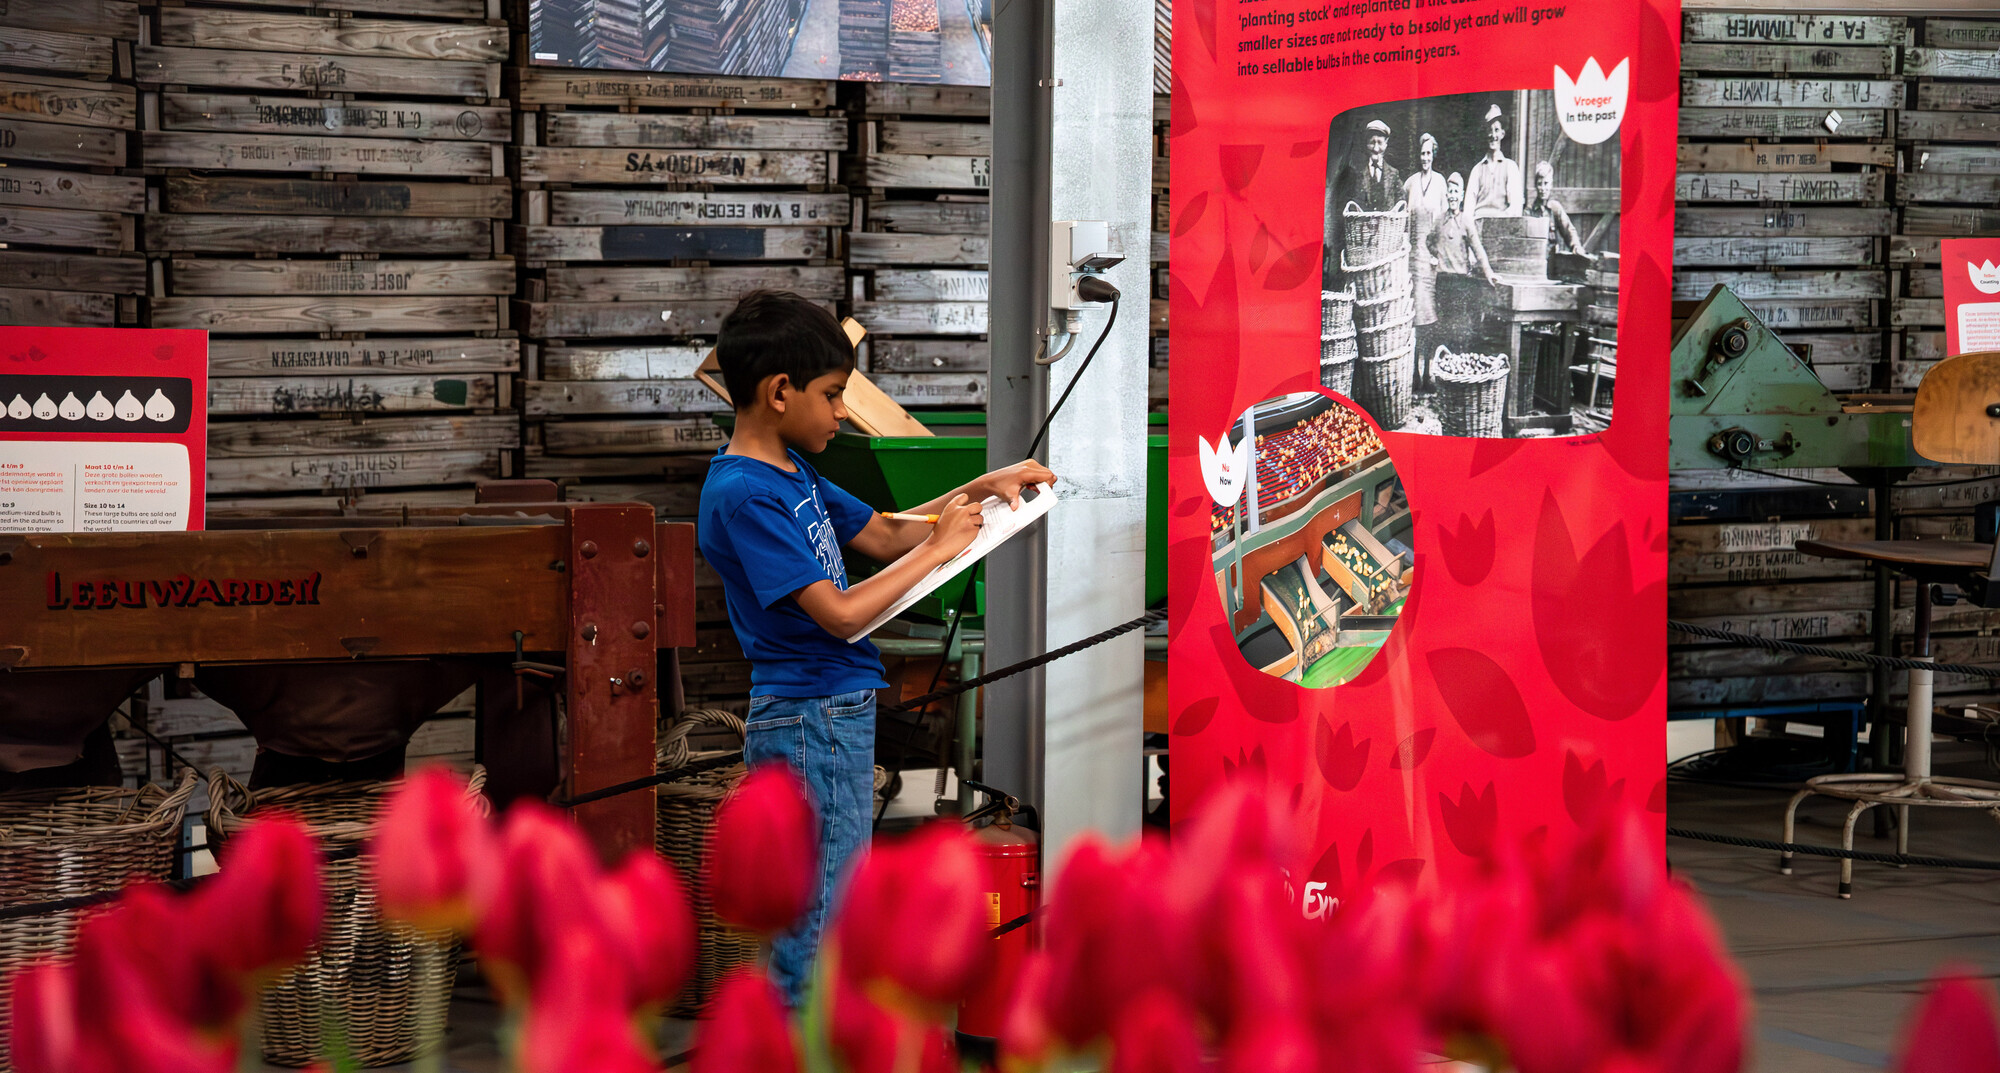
(1868, 658)
(1831, 851)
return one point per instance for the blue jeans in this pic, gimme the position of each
(830, 742)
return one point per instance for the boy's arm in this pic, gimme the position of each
(841, 612)
(885, 540)
(1479, 247)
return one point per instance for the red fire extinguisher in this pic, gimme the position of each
(1010, 855)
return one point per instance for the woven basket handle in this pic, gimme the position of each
(228, 800)
(176, 800)
(1439, 353)
(674, 751)
(1351, 209)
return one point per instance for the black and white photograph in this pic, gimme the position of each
(1470, 286)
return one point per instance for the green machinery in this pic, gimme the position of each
(1741, 397)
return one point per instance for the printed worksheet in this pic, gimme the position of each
(1001, 525)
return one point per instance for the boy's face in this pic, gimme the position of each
(811, 415)
(1543, 184)
(1454, 196)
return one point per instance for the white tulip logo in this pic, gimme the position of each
(1591, 107)
(1225, 469)
(1984, 276)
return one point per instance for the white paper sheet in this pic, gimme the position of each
(1000, 526)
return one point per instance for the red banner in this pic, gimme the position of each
(1420, 315)
(102, 429)
(1971, 294)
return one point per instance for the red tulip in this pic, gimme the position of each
(647, 921)
(547, 885)
(1952, 1029)
(1111, 932)
(434, 855)
(1155, 1033)
(763, 857)
(43, 1004)
(748, 1030)
(1254, 948)
(574, 1025)
(1027, 1041)
(153, 947)
(262, 912)
(136, 1014)
(868, 1038)
(1271, 1045)
(934, 877)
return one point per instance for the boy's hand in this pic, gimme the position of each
(1008, 483)
(957, 524)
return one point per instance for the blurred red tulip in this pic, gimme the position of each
(647, 920)
(1155, 1033)
(262, 912)
(42, 1002)
(156, 944)
(547, 879)
(763, 857)
(434, 857)
(575, 1025)
(1271, 1045)
(1111, 933)
(1952, 1029)
(866, 1037)
(934, 877)
(748, 1030)
(1027, 1041)
(1254, 951)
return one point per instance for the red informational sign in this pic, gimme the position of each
(1971, 294)
(102, 430)
(1417, 471)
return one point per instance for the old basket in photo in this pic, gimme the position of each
(1336, 313)
(1382, 312)
(1382, 375)
(1382, 277)
(1471, 395)
(1336, 363)
(1373, 236)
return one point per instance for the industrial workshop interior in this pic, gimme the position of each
(613, 536)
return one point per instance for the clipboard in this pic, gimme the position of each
(868, 409)
(1001, 526)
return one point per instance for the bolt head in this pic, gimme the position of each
(589, 549)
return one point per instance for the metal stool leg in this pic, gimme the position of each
(1847, 843)
(1903, 831)
(1791, 825)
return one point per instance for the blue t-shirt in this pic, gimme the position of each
(769, 534)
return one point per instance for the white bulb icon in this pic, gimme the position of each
(45, 408)
(99, 408)
(159, 408)
(129, 408)
(72, 408)
(19, 409)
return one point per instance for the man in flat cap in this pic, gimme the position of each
(1494, 186)
(1375, 185)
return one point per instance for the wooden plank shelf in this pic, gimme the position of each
(47, 188)
(1778, 27)
(927, 355)
(258, 316)
(1949, 220)
(1808, 123)
(1774, 251)
(212, 276)
(90, 55)
(548, 86)
(115, 18)
(39, 306)
(241, 357)
(1958, 96)
(597, 319)
(276, 438)
(1779, 186)
(1750, 284)
(866, 248)
(229, 68)
(922, 318)
(597, 165)
(336, 472)
(1754, 92)
(309, 153)
(351, 394)
(679, 397)
(956, 216)
(653, 130)
(231, 194)
(632, 436)
(1948, 126)
(1789, 59)
(68, 101)
(902, 98)
(52, 143)
(650, 283)
(66, 227)
(622, 362)
(174, 233)
(1784, 222)
(695, 208)
(671, 243)
(327, 35)
(926, 171)
(251, 114)
(47, 270)
(1786, 157)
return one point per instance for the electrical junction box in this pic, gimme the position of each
(1076, 247)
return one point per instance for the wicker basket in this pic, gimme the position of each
(1336, 364)
(1469, 403)
(1385, 311)
(1336, 313)
(1375, 236)
(385, 988)
(686, 818)
(68, 843)
(1394, 339)
(1388, 277)
(1382, 387)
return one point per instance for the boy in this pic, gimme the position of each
(773, 528)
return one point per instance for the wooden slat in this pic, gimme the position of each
(591, 283)
(947, 139)
(1783, 156)
(31, 305)
(315, 234)
(544, 85)
(246, 69)
(1783, 222)
(115, 18)
(1961, 33)
(1804, 625)
(1742, 92)
(1767, 186)
(264, 276)
(1916, 313)
(50, 143)
(657, 362)
(298, 152)
(1745, 567)
(49, 189)
(1916, 249)
(1781, 28)
(666, 436)
(568, 165)
(1773, 251)
(668, 243)
(65, 227)
(657, 131)
(352, 470)
(1923, 346)
(351, 394)
(73, 272)
(952, 217)
(1838, 348)
(1768, 689)
(929, 285)
(1828, 284)
(946, 172)
(313, 197)
(329, 36)
(245, 114)
(927, 356)
(933, 389)
(253, 316)
(1969, 189)
(62, 53)
(431, 9)
(1957, 96)
(563, 320)
(265, 439)
(1788, 59)
(544, 398)
(1954, 159)
(1763, 536)
(1781, 123)
(1814, 313)
(1947, 126)
(348, 357)
(1924, 283)
(699, 208)
(922, 318)
(874, 248)
(1950, 220)
(1951, 63)
(903, 98)
(68, 101)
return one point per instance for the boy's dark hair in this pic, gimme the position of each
(772, 332)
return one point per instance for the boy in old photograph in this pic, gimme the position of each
(1563, 236)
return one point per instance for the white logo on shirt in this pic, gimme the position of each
(825, 542)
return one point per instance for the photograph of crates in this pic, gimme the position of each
(936, 41)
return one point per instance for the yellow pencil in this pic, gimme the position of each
(927, 519)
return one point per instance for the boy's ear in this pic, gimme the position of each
(773, 390)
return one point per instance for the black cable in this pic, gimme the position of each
(1833, 851)
(1078, 378)
(1869, 658)
(1030, 664)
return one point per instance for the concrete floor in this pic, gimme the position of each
(816, 47)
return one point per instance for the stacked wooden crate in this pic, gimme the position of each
(67, 210)
(327, 205)
(1156, 380)
(1785, 158)
(1950, 143)
(649, 204)
(918, 247)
